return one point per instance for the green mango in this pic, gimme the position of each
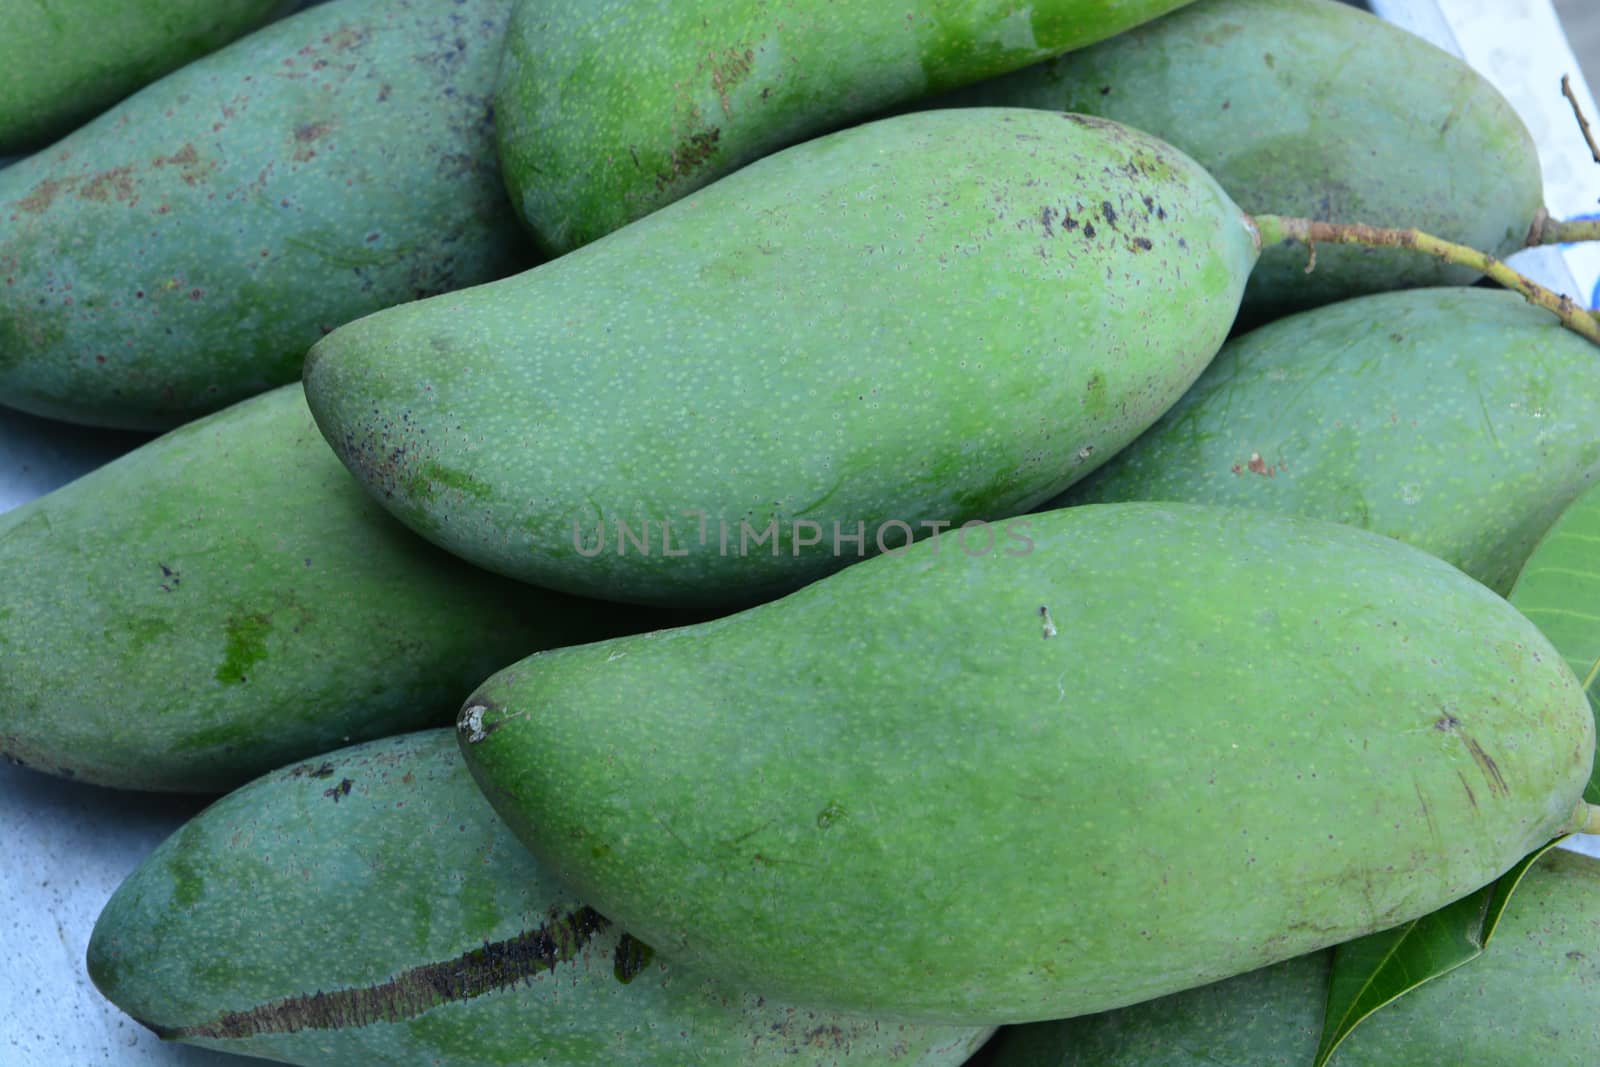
(607, 110)
(936, 318)
(1528, 1000)
(1461, 421)
(367, 907)
(185, 249)
(226, 599)
(60, 64)
(1315, 109)
(1154, 746)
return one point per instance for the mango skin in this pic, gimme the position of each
(60, 64)
(958, 788)
(226, 599)
(834, 335)
(358, 871)
(1315, 109)
(185, 249)
(1460, 421)
(1528, 1000)
(607, 110)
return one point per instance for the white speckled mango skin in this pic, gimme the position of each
(378, 861)
(1169, 744)
(939, 317)
(1461, 421)
(183, 251)
(607, 110)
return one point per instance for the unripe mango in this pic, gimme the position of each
(1461, 421)
(608, 110)
(185, 249)
(1315, 109)
(226, 599)
(367, 907)
(62, 63)
(1167, 744)
(1529, 999)
(933, 319)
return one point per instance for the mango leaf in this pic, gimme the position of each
(1559, 591)
(1378, 969)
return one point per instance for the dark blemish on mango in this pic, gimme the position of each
(690, 155)
(43, 195)
(1047, 219)
(1049, 624)
(497, 965)
(830, 815)
(1108, 213)
(245, 645)
(631, 957)
(306, 770)
(170, 578)
(114, 184)
(340, 790)
(1446, 722)
(1491, 770)
(305, 136)
(1141, 244)
(1471, 797)
(1088, 230)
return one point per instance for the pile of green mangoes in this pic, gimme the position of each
(785, 532)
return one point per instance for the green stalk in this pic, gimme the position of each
(1276, 229)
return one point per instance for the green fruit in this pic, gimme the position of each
(62, 63)
(610, 109)
(184, 250)
(1558, 590)
(1315, 109)
(225, 599)
(1460, 421)
(1157, 745)
(937, 318)
(1529, 999)
(368, 908)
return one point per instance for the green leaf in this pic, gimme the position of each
(1559, 591)
(1378, 969)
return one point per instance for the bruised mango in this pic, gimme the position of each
(1461, 421)
(1158, 745)
(367, 907)
(185, 249)
(226, 599)
(610, 109)
(1529, 999)
(1312, 108)
(62, 63)
(935, 319)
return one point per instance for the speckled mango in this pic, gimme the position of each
(1158, 745)
(1312, 108)
(1461, 421)
(933, 319)
(1528, 1001)
(367, 907)
(60, 64)
(225, 599)
(185, 249)
(607, 110)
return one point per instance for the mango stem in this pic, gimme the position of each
(1549, 231)
(1278, 229)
